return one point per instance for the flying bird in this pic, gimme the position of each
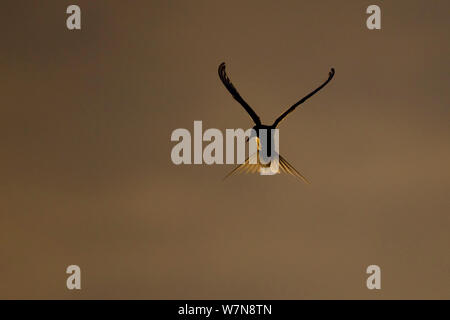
(253, 164)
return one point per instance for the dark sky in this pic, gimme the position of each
(86, 175)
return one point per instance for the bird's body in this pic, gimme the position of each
(268, 139)
(253, 163)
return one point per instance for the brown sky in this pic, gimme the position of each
(87, 179)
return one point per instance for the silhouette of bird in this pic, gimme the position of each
(252, 163)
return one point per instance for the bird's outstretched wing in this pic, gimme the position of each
(330, 76)
(226, 81)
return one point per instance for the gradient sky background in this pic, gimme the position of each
(86, 175)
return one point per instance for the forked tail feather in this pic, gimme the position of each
(248, 167)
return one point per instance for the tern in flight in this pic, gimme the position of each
(253, 166)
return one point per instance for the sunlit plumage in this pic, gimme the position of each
(252, 165)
